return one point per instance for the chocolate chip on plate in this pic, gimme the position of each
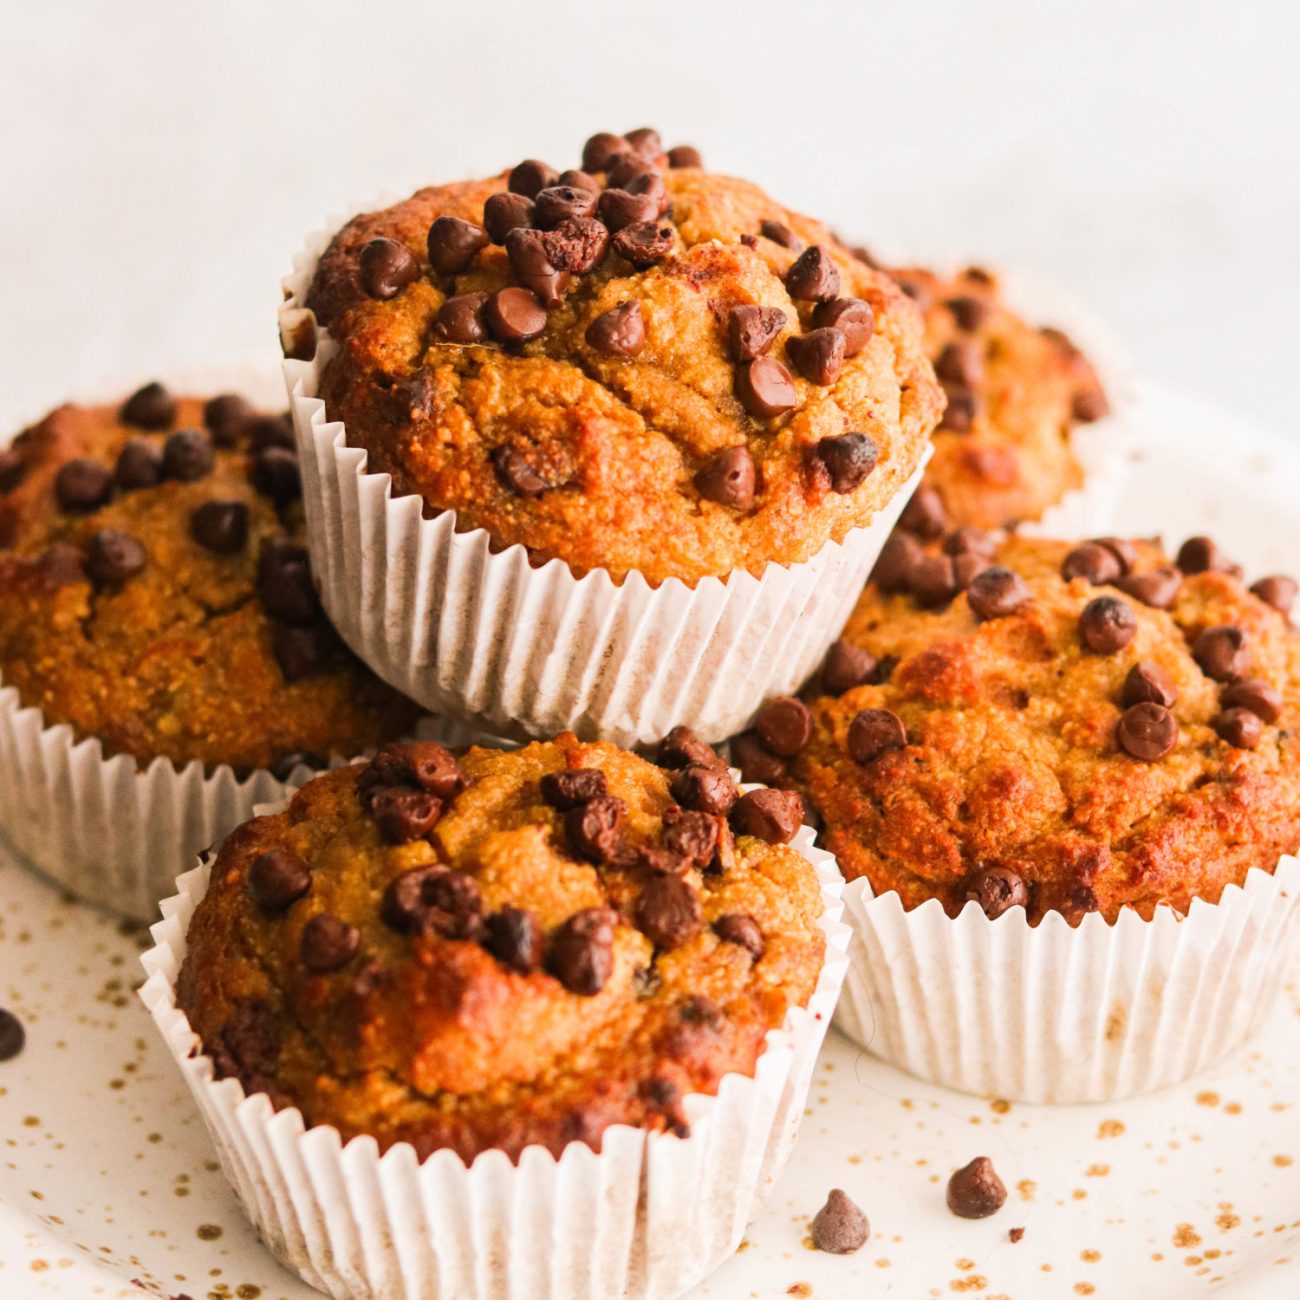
(818, 355)
(151, 407)
(278, 879)
(220, 526)
(112, 557)
(741, 929)
(1240, 727)
(1148, 683)
(13, 1036)
(1107, 625)
(565, 790)
(582, 951)
(874, 732)
(187, 456)
(82, 485)
(668, 911)
(503, 213)
(846, 666)
(452, 245)
(1222, 652)
(1147, 731)
(1262, 698)
(327, 943)
(852, 317)
(515, 315)
(618, 332)
(770, 815)
(728, 478)
(813, 276)
(975, 1191)
(514, 937)
(784, 725)
(998, 890)
(765, 388)
(752, 329)
(139, 465)
(595, 828)
(839, 1227)
(386, 268)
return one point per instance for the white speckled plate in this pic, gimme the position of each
(107, 1186)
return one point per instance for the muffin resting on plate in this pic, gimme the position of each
(638, 366)
(155, 592)
(505, 949)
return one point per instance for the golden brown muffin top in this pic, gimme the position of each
(513, 948)
(155, 592)
(638, 366)
(1079, 728)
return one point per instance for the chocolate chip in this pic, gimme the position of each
(818, 355)
(618, 332)
(1148, 683)
(1277, 590)
(705, 789)
(515, 315)
(684, 155)
(852, 317)
(301, 652)
(408, 896)
(533, 267)
(150, 407)
(271, 431)
(874, 732)
(975, 1191)
(12, 468)
(779, 233)
(452, 245)
(1107, 625)
(454, 907)
(741, 929)
(220, 526)
(1222, 653)
(82, 485)
(765, 388)
(404, 814)
(681, 747)
(62, 565)
(565, 790)
(514, 937)
(13, 1037)
(644, 243)
(897, 562)
(1122, 549)
(752, 329)
(530, 177)
(187, 456)
(961, 362)
(579, 180)
(969, 313)
(998, 890)
(530, 471)
(1241, 728)
(813, 276)
(284, 583)
(970, 541)
(113, 556)
(1089, 404)
(1097, 563)
(582, 951)
(728, 478)
(847, 460)
(595, 828)
(757, 763)
(997, 593)
(600, 149)
(1157, 588)
(226, 417)
(421, 764)
(1262, 698)
(784, 725)
(556, 203)
(846, 666)
(691, 837)
(577, 244)
(645, 139)
(839, 1227)
(139, 465)
(619, 209)
(276, 475)
(668, 912)
(277, 879)
(625, 167)
(503, 213)
(327, 943)
(462, 319)
(1147, 731)
(1015, 1235)
(924, 515)
(386, 267)
(1200, 555)
(934, 580)
(959, 415)
(771, 815)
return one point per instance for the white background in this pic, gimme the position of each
(159, 162)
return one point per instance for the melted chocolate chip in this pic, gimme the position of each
(1107, 625)
(220, 526)
(188, 456)
(453, 244)
(752, 329)
(503, 213)
(580, 179)
(577, 244)
(846, 666)
(284, 583)
(151, 407)
(1222, 653)
(975, 1191)
(1148, 683)
(582, 951)
(813, 276)
(565, 790)
(818, 355)
(741, 929)
(728, 478)
(463, 319)
(421, 764)
(595, 828)
(530, 177)
(619, 332)
(765, 388)
(112, 557)
(515, 315)
(874, 732)
(514, 937)
(771, 815)
(668, 912)
(82, 486)
(1157, 588)
(997, 593)
(1147, 731)
(1241, 728)
(327, 943)
(644, 243)
(1262, 698)
(839, 1227)
(386, 268)
(852, 317)
(705, 789)
(784, 725)
(277, 879)
(408, 896)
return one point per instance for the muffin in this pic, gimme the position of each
(157, 605)
(640, 387)
(482, 963)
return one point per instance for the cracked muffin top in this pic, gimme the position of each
(507, 948)
(155, 592)
(1068, 728)
(634, 366)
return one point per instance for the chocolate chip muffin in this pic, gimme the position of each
(155, 592)
(1076, 729)
(506, 948)
(637, 365)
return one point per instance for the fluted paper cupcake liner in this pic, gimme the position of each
(649, 1215)
(1051, 1013)
(518, 649)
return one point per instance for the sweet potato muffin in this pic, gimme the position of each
(1071, 728)
(155, 592)
(639, 365)
(509, 948)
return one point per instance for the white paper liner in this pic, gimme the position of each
(522, 650)
(1050, 1013)
(649, 1216)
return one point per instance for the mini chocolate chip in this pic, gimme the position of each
(619, 209)
(600, 149)
(284, 583)
(874, 732)
(1107, 625)
(277, 879)
(579, 180)
(644, 243)
(558, 202)
(1093, 561)
(1222, 653)
(846, 666)
(813, 276)
(1200, 555)
(668, 912)
(752, 329)
(852, 317)
(1262, 698)
(728, 478)
(113, 556)
(1147, 731)
(577, 244)
(139, 465)
(847, 459)
(595, 828)
(386, 267)
(959, 415)
(975, 1191)
(220, 526)
(187, 456)
(741, 929)
(997, 593)
(1148, 683)
(151, 407)
(462, 319)
(579, 785)
(452, 245)
(275, 474)
(327, 943)
(532, 265)
(691, 837)
(839, 1227)
(12, 468)
(779, 233)
(998, 890)
(582, 951)
(13, 1037)
(961, 362)
(771, 815)
(1277, 590)
(784, 725)
(226, 417)
(515, 315)
(933, 580)
(705, 789)
(681, 747)
(530, 177)
(503, 213)
(925, 515)
(897, 562)
(1241, 728)
(684, 155)
(818, 355)
(82, 485)
(765, 388)
(514, 937)
(403, 814)
(969, 313)
(1157, 588)
(758, 765)
(301, 652)
(618, 332)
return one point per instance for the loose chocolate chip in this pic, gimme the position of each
(62, 565)
(386, 268)
(618, 332)
(13, 1036)
(595, 828)
(503, 213)
(515, 315)
(301, 651)
(998, 890)
(771, 815)
(975, 1191)
(668, 912)
(150, 407)
(619, 209)
(784, 725)
(1262, 698)
(997, 593)
(187, 456)
(327, 943)
(959, 414)
(682, 748)
(82, 485)
(961, 362)
(644, 243)
(847, 459)
(275, 474)
(556, 203)
(765, 388)
(582, 951)
(846, 666)
(139, 465)
(969, 313)
(728, 477)
(691, 837)
(112, 557)
(220, 526)
(1241, 728)
(1107, 625)
(530, 177)
(1277, 590)
(462, 319)
(779, 233)
(874, 732)
(898, 560)
(925, 515)
(752, 329)
(1222, 653)
(452, 245)
(1097, 563)
(705, 789)
(514, 937)
(1147, 731)
(600, 149)
(277, 879)
(12, 468)
(533, 267)
(813, 276)
(852, 317)
(1200, 555)
(284, 583)
(226, 417)
(1157, 588)
(757, 763)
(933, 580)
(839, 1227)
(684, 155)
(645, 139)
(580, 180)
(741, 929)
(403, 814)
(1148, 683)
(818, 355)
(565, 790)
